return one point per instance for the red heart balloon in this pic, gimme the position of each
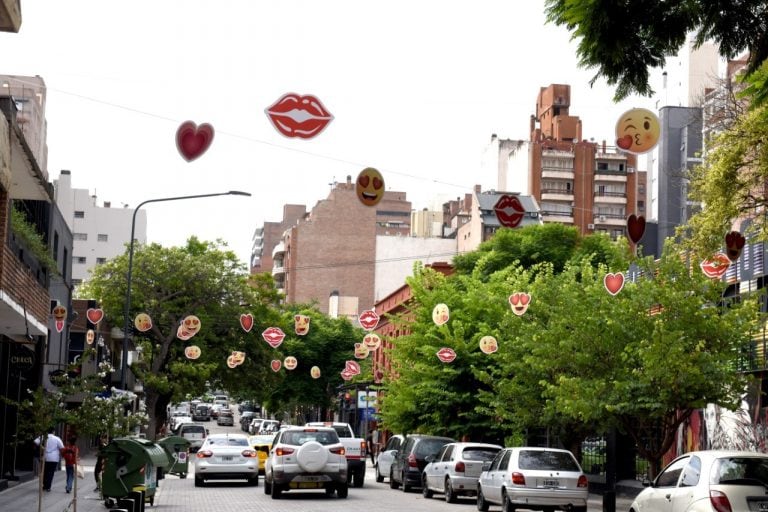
(94, 315)
(635, 227)
(613, 282)
(192, 140)
(246, 321)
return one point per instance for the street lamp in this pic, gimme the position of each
(127, 310)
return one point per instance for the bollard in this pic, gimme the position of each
(609, 501)
(138, 497)
(127, 503)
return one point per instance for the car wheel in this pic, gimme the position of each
(406, 487)
(253, 480)
(482, 505)
(359, 478)
(450, 496)
(379, 476)
(425, 491)
(330, 490)
(342, 491)
(276, 492)
(579, 509)
(392, 483)
(267, 486)
(183, 476)
(199, 482)
(506, 505)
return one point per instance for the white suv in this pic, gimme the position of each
(306, 458)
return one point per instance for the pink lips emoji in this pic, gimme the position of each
(352, 367)
(509, 211)
(274, 336)
(446, 355)
(368, 319)
(299, 116)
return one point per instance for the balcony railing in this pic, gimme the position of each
(610, 194)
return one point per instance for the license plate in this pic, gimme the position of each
(305, 485)
(550, 483)
(227, 458)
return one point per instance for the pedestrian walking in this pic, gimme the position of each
(369, 444)
(100, 459)
(51, 457)
(71, 454)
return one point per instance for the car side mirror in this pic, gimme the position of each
(486, 465)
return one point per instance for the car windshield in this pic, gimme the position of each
(193, 429)
(547, 460)
(342, 431)
(480, 453)
(300, 437)
(227, 441)
(740, 471)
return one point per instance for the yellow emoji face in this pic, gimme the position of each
(191, 325)
(301, 324)
(637, 131)
(143, 322)
(369, 186)
(488, 345)
(238, 357)
(361, 351)
(372, 341)
(192, 352)
(315, 372)
(290, 363)
(231, 362)
(440, 314)
(59, 312)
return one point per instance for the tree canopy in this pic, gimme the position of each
(624, 39)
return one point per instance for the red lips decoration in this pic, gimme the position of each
(94, 315)
(298, 116)
(192, 140)
(368, 319)
(346, 375)
(509, 211)
(446, 355)
(716, 266)
(613, 282)
(353, 367)
(246, 322)
(273, 336)
(734, 243)
(635, 227)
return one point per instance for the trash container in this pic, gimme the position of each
(177, 449)
(132, 464)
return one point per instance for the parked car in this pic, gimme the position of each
(255, 426)
(262, 444)
(224, 457)
(179, 419)
(215, 409)
(269, 427)
(202, 413)
(193, 433)
(533, 478)
(245, 420)
(711, 480)
(306, 458)
(410, 460)
(385, 457)
(454, 471)
(225, 418)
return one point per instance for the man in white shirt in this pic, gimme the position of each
(51, 457)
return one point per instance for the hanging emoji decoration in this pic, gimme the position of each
(59, 317)
(488, 345)
(446, 355)
(637, 131)
(294, 115)
(192, 352)
(193, 140)
(519, 302)
(246, 322)
(372, 341)
(734, 243)
(369, 186)
(143, 322)
(440, 314)
(301, 324)
(314, 372)
(94, 315)
(361, 351)
(290, 363)
(276, 364)
(191, 325)
(613, 282)
(90, 336)
(274, 336)
(368, 319)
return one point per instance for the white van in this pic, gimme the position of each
(193, 433)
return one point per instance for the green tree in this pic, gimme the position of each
(624, 39)
(295, 394)
(202, 279)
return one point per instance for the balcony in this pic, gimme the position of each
(279, 249)
(556, 194)
(557, 173)
(610, 198)
(557, 216)
(610, 219)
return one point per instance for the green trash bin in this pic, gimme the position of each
(177, 449)
(132, 464)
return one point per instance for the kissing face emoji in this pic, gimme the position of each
(143, 322)
(191, 325)
(637, 131)
(369, 186)
(488, 345)
(238, 357)
(440, 314)
(301, 324)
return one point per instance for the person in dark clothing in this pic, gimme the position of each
(100, 460)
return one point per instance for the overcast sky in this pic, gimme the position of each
(416, 89)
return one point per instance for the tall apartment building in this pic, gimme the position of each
(329, 256)
(99, 232)
(267, 237)
(29, 95)
(575, 181)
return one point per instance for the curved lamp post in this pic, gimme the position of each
(127, 310)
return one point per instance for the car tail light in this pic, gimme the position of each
(412, 461)
(582, 481)
(283, 451)
(518, 478)
(459, 467)
(249, 453)
(720, 501)
(338, 450)
(362, 448)
(204, 454)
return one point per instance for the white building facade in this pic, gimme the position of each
(99, 232)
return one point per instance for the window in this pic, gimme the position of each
(669, 477)
(80, 259)
(101, 237)
(80, 236)
(79, 214)
(100, 261)
(56, 246)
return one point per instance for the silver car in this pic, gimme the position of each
(534, 479)
(226, 457)
(386, 456)
(454, 471)
(707, 481)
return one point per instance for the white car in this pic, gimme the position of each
(386, 456)
(306, 458)
(535, 479)
(226, 457)
(454, 471)
(710, 480)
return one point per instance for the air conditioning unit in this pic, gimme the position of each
(602, 218)
(590, 226)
